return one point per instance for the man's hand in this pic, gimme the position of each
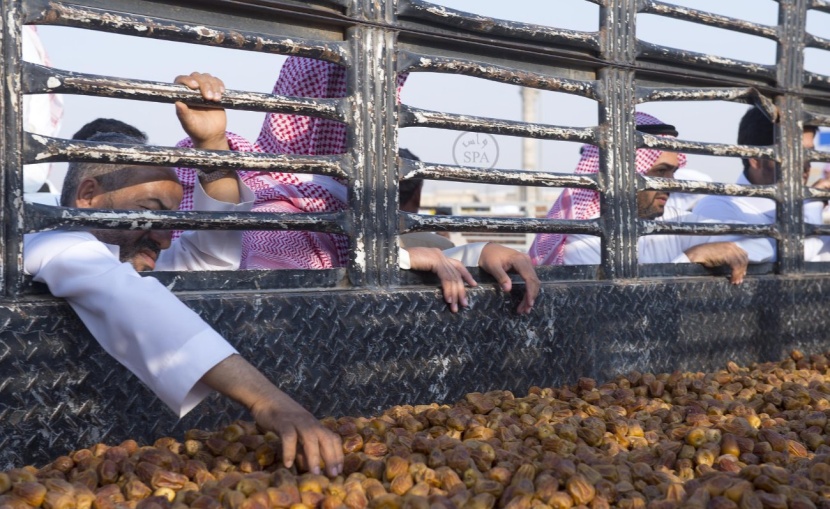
(823, 184)
(205, 125)
(716, 254)
(275, 411)
(497, 260)
(451, 272)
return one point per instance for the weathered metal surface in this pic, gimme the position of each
(38, 79)
(44, 149)
(46, 217)
(332, 351)
(538, 34)
(748, 95)
(692, 186)
(418, 223)
(411, 169)
(820, 5)
(698, 147)
(79, 16)
(649, 51)
(410, 62)
(417, 117)
(708, 18)
(650, 227)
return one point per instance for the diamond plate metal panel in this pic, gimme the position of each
(357, 352)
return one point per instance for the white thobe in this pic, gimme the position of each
(467, 254)
(753, 210)
(585, 249)
(136, 319)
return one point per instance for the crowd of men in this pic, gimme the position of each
(182, 359)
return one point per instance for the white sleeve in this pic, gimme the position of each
(208, 249)
(715, 210)
(468, 255)
(582, 250)
(135, 319)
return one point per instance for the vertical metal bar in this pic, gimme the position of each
(617, 140)
(11, 177)
(792, 16)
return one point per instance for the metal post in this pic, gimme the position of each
(617, 141)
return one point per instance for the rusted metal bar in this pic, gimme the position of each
(815, 119)
(650, 227)
(814, 41)
(411, 169)
(820, 5)
(417, 117)
(816, 229)
(38, 79)
(711, 63)
(748, 95)
(418, 223)
(814, 193)
(441, 15)
(815, 80)
(41, 217)
(645, 183)
(708, 18)
(73, 15)
(43, 149)
(414, 62)
(817, 156)
(698, 147)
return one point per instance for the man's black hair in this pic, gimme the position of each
(408, 187)
(109, 125)
(757, 129)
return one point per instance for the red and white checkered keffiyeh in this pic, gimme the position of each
(549, 248)
(294, 193)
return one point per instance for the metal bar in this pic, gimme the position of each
(645, 183)
(414, 62)
(11, 244)
(38, 79)
(814, 41)
(669, 55)
(748, 95)
(816, 156)
(815, 193)
(73, 15)
(362, 266)
(708, 18)
(816, 229)
(418, 223)
(815, 119)
(411, 169)
(662, 270)
(650, 227)
(41, 149)
(417, 117)
(618, 203)
(698, 147)
(455, 19)
(41, 217)
(820, 5)
(815, 80)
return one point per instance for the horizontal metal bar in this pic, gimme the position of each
(43, 149)
(38, 79)
(820, 5)
(816, 80)
(650, 227)
(811, 193)
(697, 147)
(418, 223)
(539, 34)
(41, 217)
(747, 95)
(709, 19)
(414, 62)
(90, 18)
(544, 272)
(816, 156)
(238, 280)
(645, 183)
(816, 119)
(659, 53)
(816, 229)
(411, 169)
(814, 41)
(417, 117)
(652, 270)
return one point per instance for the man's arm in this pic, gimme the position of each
(160, 340)
(716, 209)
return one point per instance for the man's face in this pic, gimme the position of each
(650, 204)
(143, 189)
(765, 171)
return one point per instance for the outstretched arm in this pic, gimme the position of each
(452, 273)
(275, 411)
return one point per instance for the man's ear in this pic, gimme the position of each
(88, 190)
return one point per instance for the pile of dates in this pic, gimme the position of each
(753, 437)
